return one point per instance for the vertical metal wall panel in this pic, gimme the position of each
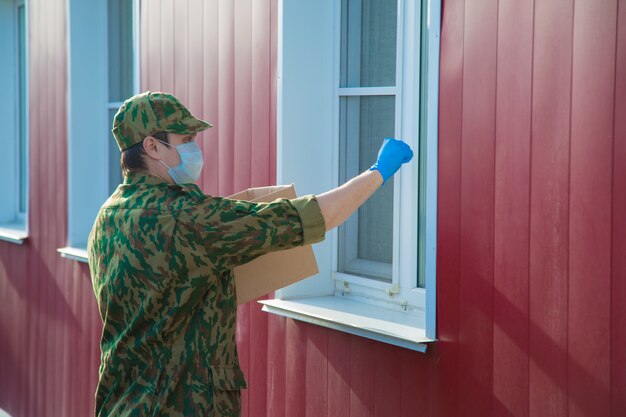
(362, 373)
(165, 30)
(590, 205)
(512, 208)
(477, 209)
(549, 217)
(181, 55)
(618, 267)
(210, 93)
(316, 386)
(194, 78)
(387, 378)
(277, 364)
(338, 374)
(295, 368)
(273, 72)
(415, 384)
(444, 377)
(226, 96)
(241, 96)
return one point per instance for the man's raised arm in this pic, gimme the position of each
(339, 203)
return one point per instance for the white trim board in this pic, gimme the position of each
(75, 254)
(17, 235)
(355, 318)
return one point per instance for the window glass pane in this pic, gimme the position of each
(23, 145)
(120, 23)
(115, 171)
(366, 239)
(368, 43)
(423, 77)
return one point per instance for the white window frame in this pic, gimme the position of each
(13, 221)
(89, 130)
(403, 287)
(399, 313)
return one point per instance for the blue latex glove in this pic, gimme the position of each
(392, 154)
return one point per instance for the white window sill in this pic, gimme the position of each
(13, 233)
(76, 254)
(334, 312)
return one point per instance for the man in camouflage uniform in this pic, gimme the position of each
(161, 255)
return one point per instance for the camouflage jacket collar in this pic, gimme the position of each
(143, 178)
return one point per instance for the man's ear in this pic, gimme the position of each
(151, 147)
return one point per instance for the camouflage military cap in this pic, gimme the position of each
(148, 113)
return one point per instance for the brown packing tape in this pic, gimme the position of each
(274, 270)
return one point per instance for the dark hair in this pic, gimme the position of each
(132, 159)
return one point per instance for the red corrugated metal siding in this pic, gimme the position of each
(49, 326)
(531, 236)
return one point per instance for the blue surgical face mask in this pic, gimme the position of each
(191, 162)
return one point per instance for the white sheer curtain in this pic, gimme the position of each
(368, 43)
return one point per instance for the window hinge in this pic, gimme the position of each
(393, 290)
(346, 288)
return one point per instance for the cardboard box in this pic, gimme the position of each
(274, 270)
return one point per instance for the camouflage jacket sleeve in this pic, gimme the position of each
(238, 231)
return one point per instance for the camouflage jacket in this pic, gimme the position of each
(161, 259)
